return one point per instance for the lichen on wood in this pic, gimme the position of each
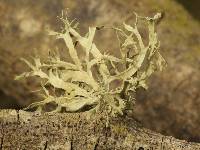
(77, 89)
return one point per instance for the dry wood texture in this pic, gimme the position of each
(33, 131)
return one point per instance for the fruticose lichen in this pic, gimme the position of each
(81, 90)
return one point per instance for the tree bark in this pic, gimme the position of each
(20, 130)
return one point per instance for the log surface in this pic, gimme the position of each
(20, 130)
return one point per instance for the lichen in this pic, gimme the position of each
(85, 84)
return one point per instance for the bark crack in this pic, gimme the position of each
(45, 145)
(18, 116)
(1, 146)
(71, 144)
(2, 138)
(96, 144)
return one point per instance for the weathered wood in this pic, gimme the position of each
(32, 130)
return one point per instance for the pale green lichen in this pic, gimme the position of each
(79, 87)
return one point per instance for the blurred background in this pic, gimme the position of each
(170, 106)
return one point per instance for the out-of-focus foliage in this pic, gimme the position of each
(85, 84)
